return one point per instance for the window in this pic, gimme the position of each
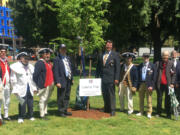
(8, 32)
(1, 12)
(2, 22)
(7, 13)
(3, 32)
(8, 23)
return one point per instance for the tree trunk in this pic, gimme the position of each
(155, 34)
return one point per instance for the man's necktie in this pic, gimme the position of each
(68, 68)
(105, 59)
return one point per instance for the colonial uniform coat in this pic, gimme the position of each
(41, 76)
(23, 86)
(126, 86)
(5, 75)
(108, 72)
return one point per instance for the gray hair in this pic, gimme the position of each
(174, 51)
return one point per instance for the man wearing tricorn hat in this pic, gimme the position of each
(4, 65)
(63, 78)
(128, 81)
(43, 77)
(23, 85)
(147, 77)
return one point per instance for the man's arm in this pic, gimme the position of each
(117, 67)
(37, 71)
(56, 71)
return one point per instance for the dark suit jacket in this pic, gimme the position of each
(39, 74)
(59, 71)
(0, 72)
(150, 75)
(171, 77)
(133, 75)
(110, 71)
(178, 73)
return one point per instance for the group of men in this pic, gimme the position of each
(144, 78)
(24, 80)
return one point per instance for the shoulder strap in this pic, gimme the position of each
(127, 72)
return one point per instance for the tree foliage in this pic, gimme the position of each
(81, 20)
(142, 22)
(34, 21)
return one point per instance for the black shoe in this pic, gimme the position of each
(62, 115)
(68, 113)
(169, 116)
(7, 119)
(113, 113)
(44, 118)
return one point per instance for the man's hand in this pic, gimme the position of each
(72, 81)
(58, 85)
(133, 89)
(35, 92)
(172, 86)
(150, 89)
(116, 82)
(16, 94)
(177, 85)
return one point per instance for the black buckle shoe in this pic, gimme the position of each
(68, 113)
(62, 115)
(7, 119)
(44, 118)
(113, 113)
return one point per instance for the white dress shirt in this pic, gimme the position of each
(67, 66)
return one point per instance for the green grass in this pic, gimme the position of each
(121, 124)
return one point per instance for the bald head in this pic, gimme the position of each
(165, 53)
(165, 56)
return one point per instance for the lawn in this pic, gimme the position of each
(120, 124)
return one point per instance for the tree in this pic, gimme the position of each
(81, 18)
(34, 21)
(144, 21)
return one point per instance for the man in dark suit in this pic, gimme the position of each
(128, 81)
(147, 77)
(108, 69)
(176, 63)
(174, 58)
(165, 78)
(63, 79)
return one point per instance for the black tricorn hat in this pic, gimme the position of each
(128, 54)
(4, 46)
(45, 50)
(22, 54)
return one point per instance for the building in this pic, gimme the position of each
(7, 30)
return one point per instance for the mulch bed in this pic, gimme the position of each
(91, 114)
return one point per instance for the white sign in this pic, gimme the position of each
(90, 87)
